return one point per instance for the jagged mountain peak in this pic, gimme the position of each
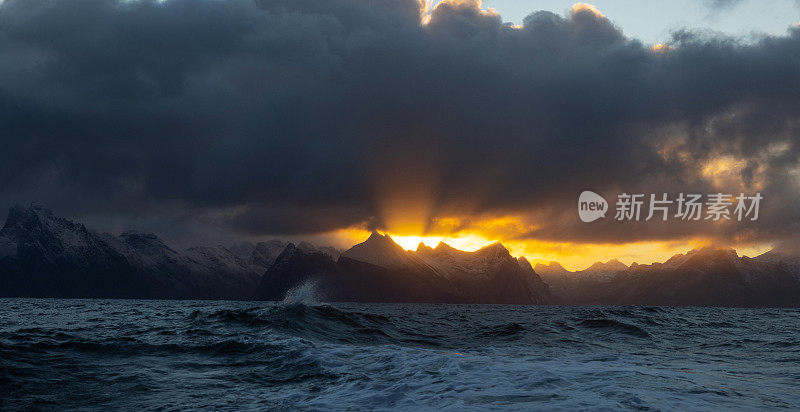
(611, 265)
(442, 245)
(524, 263)
(378, 241)
(37, 227)
(377, 237)
(552, 268)
(47, 255)
(36, 214)
(710, 256)
(443, 249)
(378, 250)
(495, 248)
(423, 248)
(702, 257)
(19, 208)
(704, 252)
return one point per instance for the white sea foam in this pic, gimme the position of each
(306, 293)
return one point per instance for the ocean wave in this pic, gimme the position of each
(316, 321)
(613, 325)
(510, 329)
(129, 355)
(129, 346)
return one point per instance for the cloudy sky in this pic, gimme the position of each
(653, 21)
(207, 120)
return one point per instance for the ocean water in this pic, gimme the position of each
(220, 355)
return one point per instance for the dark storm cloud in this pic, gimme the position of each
(295, 115)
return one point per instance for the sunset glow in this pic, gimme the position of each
(399, 204)
(573, 256)
(466, 242)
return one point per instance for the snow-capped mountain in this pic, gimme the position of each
(562, 281)
(45, 255)
(381, 250)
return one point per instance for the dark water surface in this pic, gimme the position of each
(133, 355)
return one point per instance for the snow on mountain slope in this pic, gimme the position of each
(37, 228)
(45, 255)
(451, 262)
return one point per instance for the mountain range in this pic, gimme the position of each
(702, 277)
(42, 255)
(380, 270)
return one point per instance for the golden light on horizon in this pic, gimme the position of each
(465, 242)
(411, 242)
(573, 256)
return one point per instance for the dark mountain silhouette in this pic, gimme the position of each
(261, 254)
(293, 267)
(703, 277)
(42, 255)
(380, 270)
(563, 282)
(552, 268)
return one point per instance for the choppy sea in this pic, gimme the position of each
(221, 355)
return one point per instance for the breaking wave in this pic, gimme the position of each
(306, 293)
